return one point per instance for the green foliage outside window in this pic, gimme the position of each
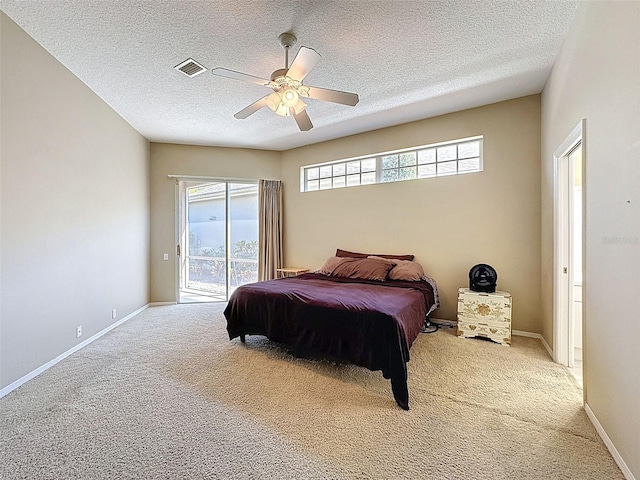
(212, 271)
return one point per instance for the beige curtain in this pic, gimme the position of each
(270, 228)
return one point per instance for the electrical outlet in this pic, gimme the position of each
(114, 314)
(166, 256)
(78, 331)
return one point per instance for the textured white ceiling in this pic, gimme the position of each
(406, 59)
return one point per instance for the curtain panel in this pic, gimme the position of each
(270, 228)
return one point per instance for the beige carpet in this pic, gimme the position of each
(167, 395)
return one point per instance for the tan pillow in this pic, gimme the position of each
(406, 270)
(363, 268)
(345, 253)
(329, 265)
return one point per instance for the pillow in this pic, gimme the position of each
(362, 268)
(345, 253)
(329, 265)
(406, 270)
(394, 261)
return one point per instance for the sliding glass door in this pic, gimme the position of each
(218, 240)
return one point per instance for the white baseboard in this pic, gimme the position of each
(607, 441)
(12, 386)
(159, 304)
(546, 345)
(521, 333)
(534, 335)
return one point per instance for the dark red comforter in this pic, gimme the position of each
(372, 324)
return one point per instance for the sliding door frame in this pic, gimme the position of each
(180, 219)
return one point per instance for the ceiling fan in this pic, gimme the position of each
(287, 86)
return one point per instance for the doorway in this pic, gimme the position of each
(568, 252)
(217, 238)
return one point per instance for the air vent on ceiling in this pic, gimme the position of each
(190, 68)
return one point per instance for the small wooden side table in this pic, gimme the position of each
(290, 272)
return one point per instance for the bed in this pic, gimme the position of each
(368, 319)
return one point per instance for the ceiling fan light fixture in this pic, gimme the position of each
(288, 90)
(289, 96)
(278, 106)
(282, 110)
(282, 101)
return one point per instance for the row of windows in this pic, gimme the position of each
(451, 158)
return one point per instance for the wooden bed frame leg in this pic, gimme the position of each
(242, 338)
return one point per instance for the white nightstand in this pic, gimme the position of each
(485, 315)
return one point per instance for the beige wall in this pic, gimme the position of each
(170, 159)
(74, 209)
(449, 223)
(596, 77)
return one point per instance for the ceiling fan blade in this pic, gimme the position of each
(302, 119)
(305, 60)
(335, 96)
(251, 109)
(223, 72)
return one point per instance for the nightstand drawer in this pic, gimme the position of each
(497, 334)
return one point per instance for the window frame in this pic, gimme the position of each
(376, 176)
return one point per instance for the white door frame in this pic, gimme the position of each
(180, 239)
(182, 227)
(562, 249)
(181, 222)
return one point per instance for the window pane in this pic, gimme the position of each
(390, 161)
(369, 177)
(313, 173)
(369, 165)
(353, 180)
(427, 171)
(446, 168)
(469, 149)
(325, 171)
(339, 169)
(389, 175)
(447, 152)
(407, 159)
(427, 156)
(450, 158)
(407, 173)
(325, 183)
(469, 165)
(353, 167)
